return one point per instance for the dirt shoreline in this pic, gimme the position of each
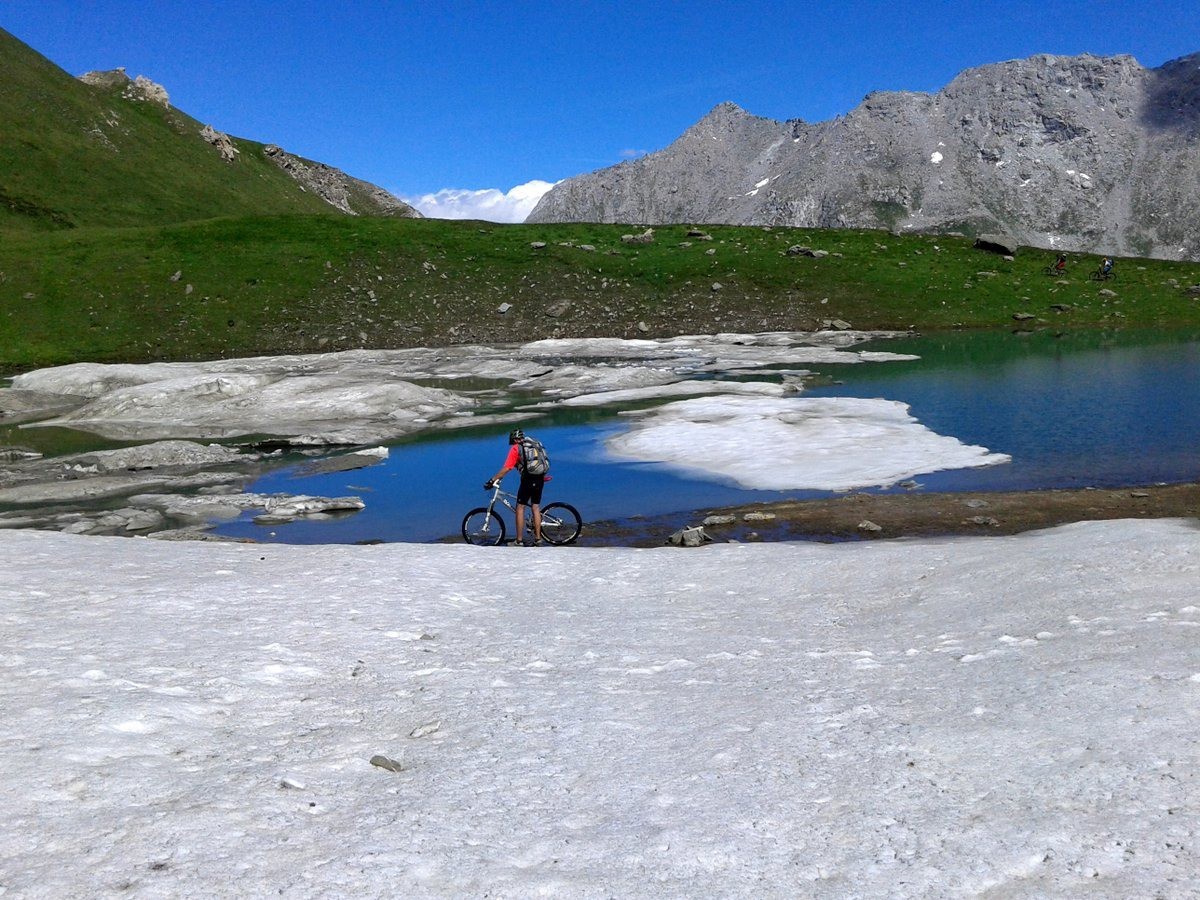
(914, 514)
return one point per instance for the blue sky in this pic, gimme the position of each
(422, 97)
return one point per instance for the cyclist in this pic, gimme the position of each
(1060, 264)
(1106, 267)
(525, 453)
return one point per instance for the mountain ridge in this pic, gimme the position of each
(107, 149)
(1077, 153)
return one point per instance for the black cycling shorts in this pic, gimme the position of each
(530, 491)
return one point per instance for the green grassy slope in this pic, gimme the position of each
(307, 283)
(72, 154)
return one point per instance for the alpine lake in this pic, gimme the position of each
(1094, 408)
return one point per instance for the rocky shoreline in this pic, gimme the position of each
(861, 516)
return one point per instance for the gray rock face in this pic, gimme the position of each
(350, 195)
(1078, 153)
(222, 142)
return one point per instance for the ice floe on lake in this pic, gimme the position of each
(364, 396)
(781, 444)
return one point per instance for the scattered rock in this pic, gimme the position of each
(646, 237)
(643, 327)
(758, 517)
(537, 245)
(558, 309)
(868, 525)
(176, 276)
(983, 520)
(836, 324)
(798, 250)
(143, 88)
(1139, 494)
(1105, 292)
(997, 243)
(1023, 316)
(689, 537)
(720, 520)
(384, 762)
(975, 504)
(717, 286)
(587, 247)
(107, 78)
(503, 308)
(222, 142)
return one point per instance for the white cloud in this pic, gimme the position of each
(490, 205)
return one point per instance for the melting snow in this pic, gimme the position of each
(894, 718)
(782, 444)
(935, 157)
(367, 396)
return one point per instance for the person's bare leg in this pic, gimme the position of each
(520, 523)
(537, 522)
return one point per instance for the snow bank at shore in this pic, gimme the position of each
(907, 719)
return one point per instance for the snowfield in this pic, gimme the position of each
(1000, 717)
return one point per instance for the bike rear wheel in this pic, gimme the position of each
(560, 523)
(483, 528)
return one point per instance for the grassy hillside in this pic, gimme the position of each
(73, 154)
(308, 283)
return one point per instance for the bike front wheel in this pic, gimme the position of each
(483, 528)
(560, 523)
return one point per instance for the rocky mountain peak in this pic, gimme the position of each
(1068, 152)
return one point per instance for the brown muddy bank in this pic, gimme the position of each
(861, 516)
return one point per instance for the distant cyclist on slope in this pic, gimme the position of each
(528, 456)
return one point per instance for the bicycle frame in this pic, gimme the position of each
(561, 519)
(504, 498)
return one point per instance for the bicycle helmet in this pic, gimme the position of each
(515, 435)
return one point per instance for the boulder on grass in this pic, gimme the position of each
(997, 243)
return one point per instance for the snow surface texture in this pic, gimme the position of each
(1006, 716)
(777, 444)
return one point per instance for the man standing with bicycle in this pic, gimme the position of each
(528, 456)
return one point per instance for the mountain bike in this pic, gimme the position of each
(1054, 270)
(1100, 275)
(484, 527)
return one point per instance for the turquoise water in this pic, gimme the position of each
(1074, 410)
